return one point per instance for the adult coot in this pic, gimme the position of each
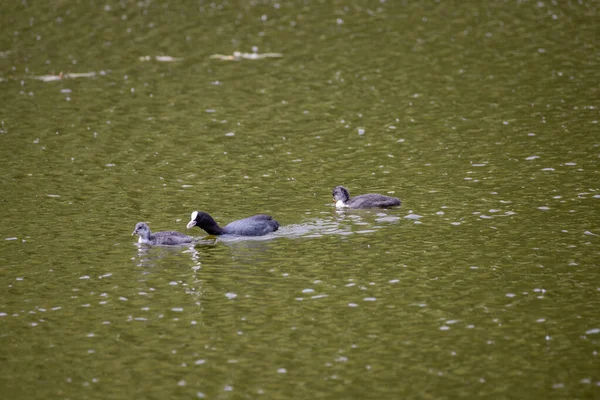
(162, 238)
(341, 198)
(257, 225)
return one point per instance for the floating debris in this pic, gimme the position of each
(237, 56)
(161, 58)
(51, 78)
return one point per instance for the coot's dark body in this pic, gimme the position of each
(257, 225)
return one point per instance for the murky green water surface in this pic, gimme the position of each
(481, 117)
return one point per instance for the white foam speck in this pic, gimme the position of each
(592, 331)
(308, 290)
(370, 299)
(231, 295)
(177, 309)
(532, 158)
(282, 371)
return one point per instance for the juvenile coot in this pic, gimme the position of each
(257, 225)
(165, 238)
(341, 198)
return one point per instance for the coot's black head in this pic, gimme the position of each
(200, 219)
(142, 229)
(340, 193)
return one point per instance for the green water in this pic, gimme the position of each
(481, 117)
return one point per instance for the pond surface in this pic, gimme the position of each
(482, 118)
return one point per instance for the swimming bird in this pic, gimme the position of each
(341, 198)
(257, 225)
(162, 238)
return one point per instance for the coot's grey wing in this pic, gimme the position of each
(258, 217)
(373, 200)
(171, 238)
(257, 225)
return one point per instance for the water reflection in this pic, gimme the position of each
(237, 56)
(167, 59)
(68, 75)
(148, 256)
